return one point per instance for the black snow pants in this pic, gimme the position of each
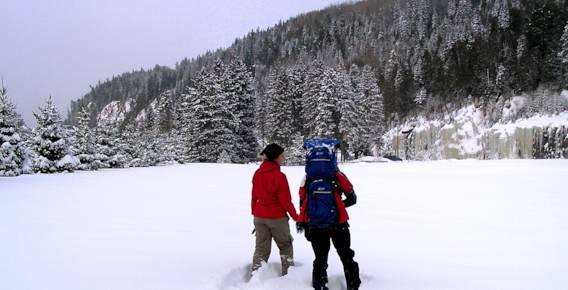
(341, 238)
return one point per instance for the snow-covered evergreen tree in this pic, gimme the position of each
(501, 12)
(279, 119)
(107, 143)
(375, 115)
(312, 89)
(238, 87)
(296, 80)
(50, 142)
(12, 152)
(200, 133)
(325, 124)
(351, 125)
(224, 157)
(185, 121)
(151, 148)
(260, 116)
(85, 143)
(563, 54)
(166, 111)
(295, 153)
(214, 123)
(127, 149)
(477, 26)
(521, 47)
(421, 96)
(501, 78)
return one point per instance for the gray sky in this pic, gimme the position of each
(60, 47)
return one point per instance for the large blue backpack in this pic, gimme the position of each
(321, 167)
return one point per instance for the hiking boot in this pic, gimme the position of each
(287, 262)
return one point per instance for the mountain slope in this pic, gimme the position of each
(446, 50)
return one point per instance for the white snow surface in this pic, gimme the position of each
(417, 225)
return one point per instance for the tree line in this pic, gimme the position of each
(215, 118)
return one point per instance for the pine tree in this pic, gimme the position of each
(477, 26)
(150, 148)
(50, 142)
(312, 88)
(260, 115)
(563, 54)
(12, 152)
(296, 80)
(166, 110)
(295, 153)
(501, 80)
(325, 124)
(279, 119)
(107, 145)
(239, 89)
(126, 150)
(84, 145)
(214, 123)
(462, 23)
(421, 96)
(521, 47)
(351, 126)
(200, 134)
(185, 122)
(501, 11)
(375, 108)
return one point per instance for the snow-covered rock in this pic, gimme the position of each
(467, 133)
(115, 112)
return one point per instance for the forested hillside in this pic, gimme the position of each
(351, 71)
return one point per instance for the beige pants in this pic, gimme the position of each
(279, 230)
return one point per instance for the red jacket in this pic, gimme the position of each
(345, 186)
(270, 193)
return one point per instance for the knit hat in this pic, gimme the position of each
(272, 151)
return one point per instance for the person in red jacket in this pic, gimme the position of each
(339, 234)
(271, 205)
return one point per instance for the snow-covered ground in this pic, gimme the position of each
(431, 225)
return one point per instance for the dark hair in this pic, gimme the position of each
(272, 151)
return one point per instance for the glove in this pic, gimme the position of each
(300, 227)
(350, 199)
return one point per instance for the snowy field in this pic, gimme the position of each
(431, 225)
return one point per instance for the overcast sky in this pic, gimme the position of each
(59, 48)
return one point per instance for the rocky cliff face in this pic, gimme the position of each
(468, 133)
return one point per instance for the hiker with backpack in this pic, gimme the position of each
(323, 215)
(271, 205)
